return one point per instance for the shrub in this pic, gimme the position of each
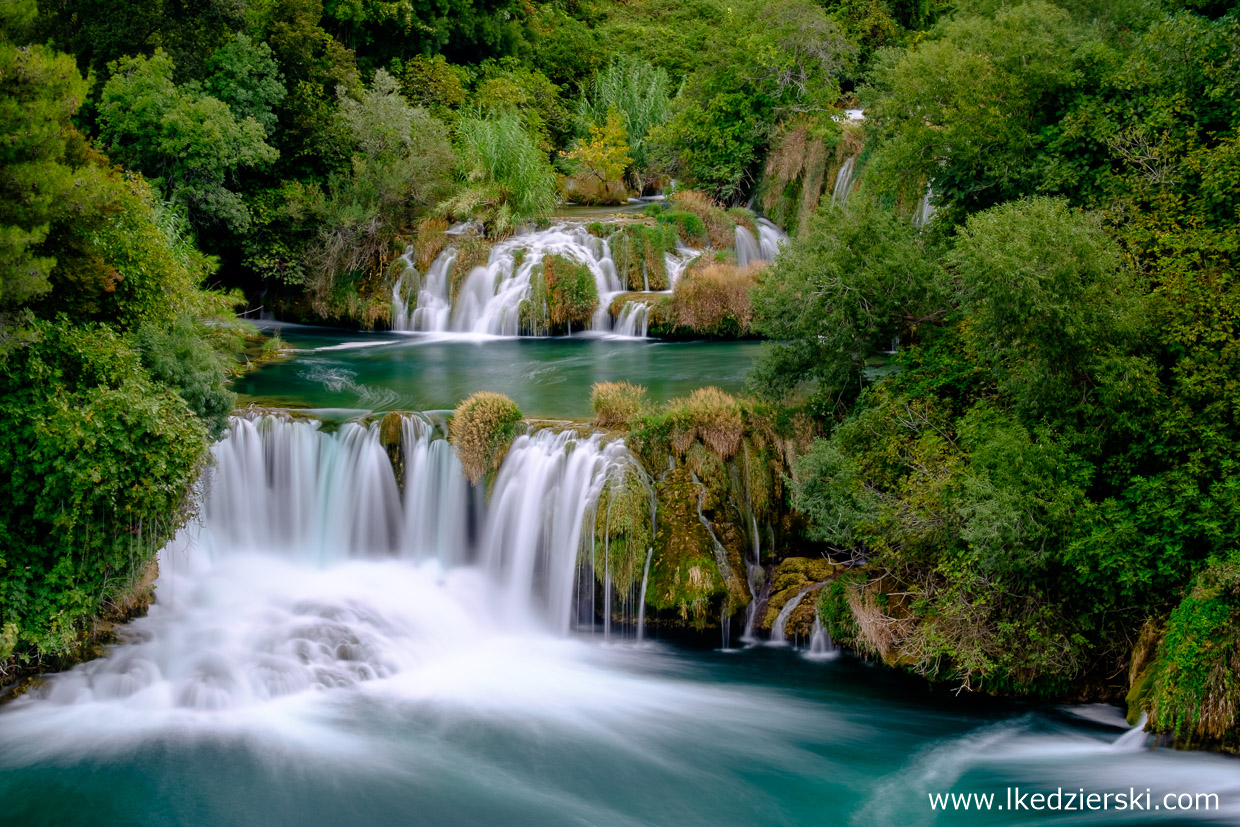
(572, 295)
(720, 227)
(509, 176)
(96, 464)
(714, 299)
(616, 403)
(483, 427)
(717, 418)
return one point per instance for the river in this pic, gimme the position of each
(330, 647)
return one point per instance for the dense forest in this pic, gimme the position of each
(1012, 335)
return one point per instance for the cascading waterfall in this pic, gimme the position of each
(763, 248)
(309, 570)
(844, 182)
(779, 635)
(633, 320)
(488, 299)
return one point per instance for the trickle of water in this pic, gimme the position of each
(633, 320)
(844, 182)
(764, 248)
(779, 635)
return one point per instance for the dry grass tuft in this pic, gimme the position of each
(482, 429)
(616, 403)
(717, 418)
(711, 294)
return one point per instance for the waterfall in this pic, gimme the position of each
(677, 263)
(548, 485)
(844, 182)
(488, 299)
(779, 636)
(1134, 739)
(821, 647)
(746, 247)
(763, 248)
(633, 320)
(926, 209)
(282, 486)
(433, 305)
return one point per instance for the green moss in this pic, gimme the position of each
(689, 227)
(684, 576)
(1195, 692)
(835, 613)
(639, 253)
(572, 295)
(622, 530)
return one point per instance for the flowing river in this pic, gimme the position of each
(333, 645)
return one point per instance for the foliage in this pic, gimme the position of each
(39, 90)
(401, 165)
(635, 92)
(98, 459)
(244, 75)
(601, 161)
(616, 403)
(854, 283)
(970, 107)
(483, 427)
(508, 179)
(189, 141)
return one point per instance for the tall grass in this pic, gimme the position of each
(511, 179)
(638, 91)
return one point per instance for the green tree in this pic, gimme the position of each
(244, 75)
(190, 142)
(856, 281)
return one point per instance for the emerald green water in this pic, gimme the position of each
(548, 378)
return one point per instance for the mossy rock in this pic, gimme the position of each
(684, 576)
(796, 572)
(622, 530)
(572, 294)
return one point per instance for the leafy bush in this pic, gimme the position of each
(616, 403)
(572, 294)
(482, 429)
(713, 299)
(96, 465)
(635, 92)
(508, 178)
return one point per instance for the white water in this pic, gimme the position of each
(764, 248)
(633, 320)
(308, 573)
(779, 633)
(844, 182)
(489, 298)
(309, 663)
(926, 209)
(821, 647)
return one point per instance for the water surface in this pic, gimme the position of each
(548, 377)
